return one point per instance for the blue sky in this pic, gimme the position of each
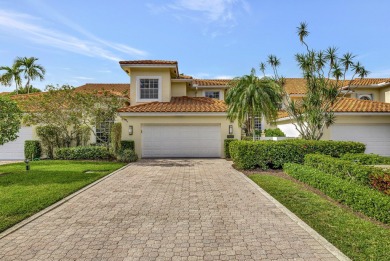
(82, 41)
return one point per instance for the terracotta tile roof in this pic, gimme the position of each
(149, 62)
(180, 104)
(353, 105)
(183, 76)
(211, 82)
(356, 105)
(298, 85)
(119, 89)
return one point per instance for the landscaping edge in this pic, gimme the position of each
(320, 239)
(56, 205)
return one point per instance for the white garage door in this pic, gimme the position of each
(376, 137)
(14, 150)
(184, 141)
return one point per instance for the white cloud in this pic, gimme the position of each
(30, 28)
(213, 14)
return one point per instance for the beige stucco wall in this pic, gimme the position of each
(359, 91)
(384, 94)
(138, 121)
(178, 89)
(192, 92)
(165, 75)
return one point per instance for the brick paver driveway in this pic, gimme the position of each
(167, 210)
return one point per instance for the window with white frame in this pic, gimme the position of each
(212, 94)
(103, 131)
(257, 123)
(367, 97)
(149, 88)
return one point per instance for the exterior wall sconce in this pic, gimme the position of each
(130, 130)
(230, 129)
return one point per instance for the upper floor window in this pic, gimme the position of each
(149, 88)
(367, 97)
(214, 95)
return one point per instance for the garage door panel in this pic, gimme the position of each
(181, 141)
(376, 137)
(14, 150)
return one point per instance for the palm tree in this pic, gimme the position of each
(250, 97)
(31, 70)
(12, 74)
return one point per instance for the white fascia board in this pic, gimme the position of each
(366, 86)
(165, 114)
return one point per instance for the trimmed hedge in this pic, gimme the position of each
(344, 169)
(376, 178)
(367, 159)
(32, 149)
(360, 198)
(127, 145)
(274, 133)
(273, 154)
(226, 143)
(83, 153)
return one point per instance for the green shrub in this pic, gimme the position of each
(367, 159)
(32, 149)
(127, 145)
(83, 153)
(127, 156)
(360, 198)
(226, 143)
(274, 133)
(344, 169)
(376, 178)
(273, 154)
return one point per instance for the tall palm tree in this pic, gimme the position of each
(12, 74)
(31, 70)
(250, 97)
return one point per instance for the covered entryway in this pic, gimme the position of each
(181, 141)
(375, 136)
(14, 150)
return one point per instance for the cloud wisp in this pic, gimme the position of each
(214, 14)
(32, 29)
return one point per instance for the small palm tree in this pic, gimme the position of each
(31, 70)
(250, 97)
(11, 74)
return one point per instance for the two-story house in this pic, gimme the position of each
(173, 115)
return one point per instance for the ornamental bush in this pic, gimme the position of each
(367, 159)
(83, 153)
(226, 143)
(127, 145)
(127, 156)
(273, 154)
(360, 198)
(274, 133)
(32, 149)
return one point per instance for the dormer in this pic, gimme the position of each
(152, 79)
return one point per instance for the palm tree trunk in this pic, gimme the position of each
(28, 85)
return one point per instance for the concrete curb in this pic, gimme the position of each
(56, 205)
(320, 239)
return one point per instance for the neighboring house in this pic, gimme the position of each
(363, 115)
(173, 115)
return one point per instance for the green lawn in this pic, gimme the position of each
(23, 194)
(356, 237)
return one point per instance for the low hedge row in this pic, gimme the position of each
(226, 143)
(360, 198)
(32, 149)
(367, 159)
(273, 154)
(83, 153)
(377, 178)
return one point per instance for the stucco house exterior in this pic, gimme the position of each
(169, 114)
